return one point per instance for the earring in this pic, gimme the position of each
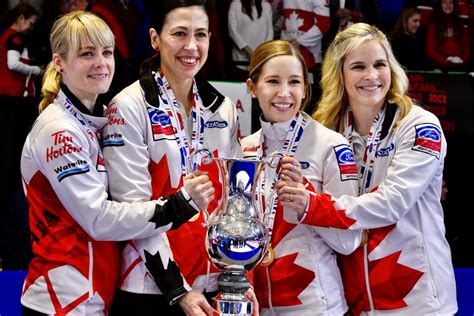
(253, 95)
(61, 70)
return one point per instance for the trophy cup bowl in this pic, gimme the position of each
(237, 238)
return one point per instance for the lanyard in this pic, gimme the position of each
(368, 162)
(290, 145)
(172, 108)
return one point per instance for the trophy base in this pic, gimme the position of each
(228, 304)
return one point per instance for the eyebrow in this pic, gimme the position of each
(361, 62)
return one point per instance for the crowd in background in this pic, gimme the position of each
(427, 35)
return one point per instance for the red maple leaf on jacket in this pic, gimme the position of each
(160, 179)
(283, 269)
(390, 281)
(284, 292)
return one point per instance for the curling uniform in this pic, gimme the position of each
(304, 278)
(76, 264)
(405, 268)
(145, 141)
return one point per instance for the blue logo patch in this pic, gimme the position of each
(346, 162)
(304, 164)
(384, 152)
(160, 123)
(216, 124)
(428, 139)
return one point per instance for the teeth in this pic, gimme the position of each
(370, 88)
(189, 60)
(98, 76)
(282, 105)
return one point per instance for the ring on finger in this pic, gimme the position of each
(290, 198)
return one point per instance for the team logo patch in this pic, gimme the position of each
(428, 139)
(113, 139)
(216, 124)
(72, 168)
(161, 126)
(304, 164)
(346, 162)
(384, 152)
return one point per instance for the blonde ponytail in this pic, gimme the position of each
(50, 86)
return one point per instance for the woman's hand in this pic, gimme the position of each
(199, 188)
(290, 189)
(252, 297)
(195, 304)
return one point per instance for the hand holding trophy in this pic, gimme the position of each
(237, 238)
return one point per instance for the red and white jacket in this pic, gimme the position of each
(406, 263)
(143, 160)
(76, 262)
(304, 278)
(306, 21)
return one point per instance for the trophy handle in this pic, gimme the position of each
(272, 161)
(206, 158)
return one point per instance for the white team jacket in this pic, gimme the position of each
(75, 268)
(304, 278)
(407, 260)
(143, 160)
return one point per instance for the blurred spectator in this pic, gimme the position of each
(347, 12)
(250, 24)
(447, 40)
(425, 7)
(305, 24)
(15, 69)
(407, 44)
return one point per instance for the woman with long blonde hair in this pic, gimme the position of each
(405, 267)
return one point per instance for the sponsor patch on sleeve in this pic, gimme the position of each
(428, 139)
(161, 126)
(346, 162)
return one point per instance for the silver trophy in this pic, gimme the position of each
(237, 238)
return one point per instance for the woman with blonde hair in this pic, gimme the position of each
(74, 228)
(405, 267)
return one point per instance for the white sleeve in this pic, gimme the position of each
(415, 164)
(403, 184)
(14, 63)
(342, 241)
(126, 153)
(268, 14)
(79, 187)
(233, 20)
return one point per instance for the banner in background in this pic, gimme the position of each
(448, 96)
(237, 92)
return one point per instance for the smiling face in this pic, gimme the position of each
(367, 75)
(280, 88)
(183, 43)
(87, 72)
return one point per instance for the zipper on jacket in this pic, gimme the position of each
(267, 272)
(367, 280)
(91, 270)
